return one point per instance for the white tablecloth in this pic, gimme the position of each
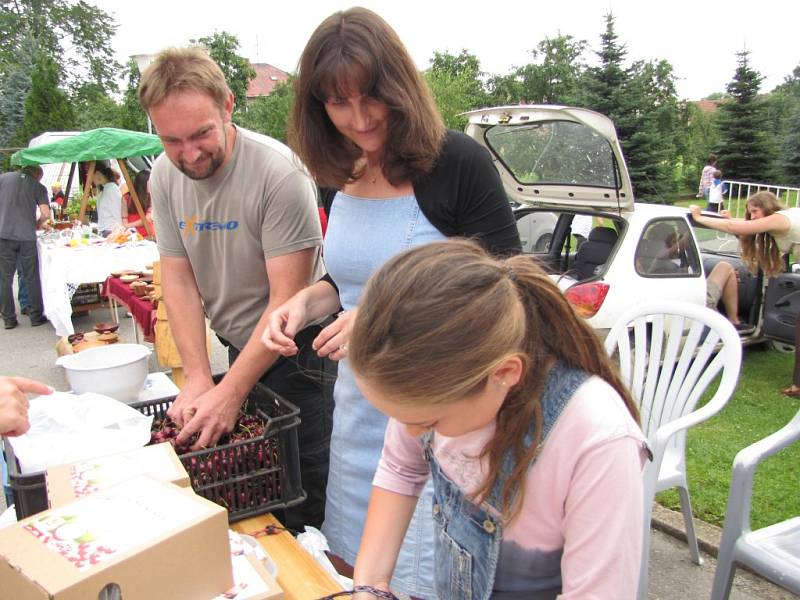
(61, 269)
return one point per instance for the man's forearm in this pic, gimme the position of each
(188, 326)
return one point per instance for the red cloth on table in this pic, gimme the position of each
(141, 308)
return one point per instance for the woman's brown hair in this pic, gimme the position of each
(356, 51)
(436, 321)
(142, 191)
(761, 249)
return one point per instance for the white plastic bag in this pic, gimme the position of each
(715, 194)
(67, 428)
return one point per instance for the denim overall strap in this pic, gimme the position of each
(468, 536)
(559, 387)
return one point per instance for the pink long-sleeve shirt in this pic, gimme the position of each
(582, 506)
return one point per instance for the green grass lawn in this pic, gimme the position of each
(756, 410)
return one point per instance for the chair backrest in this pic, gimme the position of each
(594, 251)
(669, 353)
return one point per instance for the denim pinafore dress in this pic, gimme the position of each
(468, 537)
(362, 235)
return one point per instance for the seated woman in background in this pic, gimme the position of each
(140, 186)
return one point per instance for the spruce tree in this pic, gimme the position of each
(15, 83)
(641, 102)
(790, 152)
(47, 107)
(743, 151)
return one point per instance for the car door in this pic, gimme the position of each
(781, 307)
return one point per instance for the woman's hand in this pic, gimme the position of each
(283, 324)
(332, 341)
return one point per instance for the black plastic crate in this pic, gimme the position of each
(29, 491)
(256, 476)
(249, 477)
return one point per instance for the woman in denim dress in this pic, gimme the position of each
(366, 126)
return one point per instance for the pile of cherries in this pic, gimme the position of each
(242, 471)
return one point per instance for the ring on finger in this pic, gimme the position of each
(343, 347)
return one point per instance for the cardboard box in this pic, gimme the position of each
(67, 483)
(149, 538)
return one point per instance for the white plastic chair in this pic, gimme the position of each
(669, 353)
(773, 552)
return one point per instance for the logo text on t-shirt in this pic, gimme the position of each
(192, 225)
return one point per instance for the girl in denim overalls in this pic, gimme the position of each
(502, 395)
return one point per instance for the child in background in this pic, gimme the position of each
(497, 390)
(715, 193)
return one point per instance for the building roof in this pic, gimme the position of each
(708, 105)
(267, 77)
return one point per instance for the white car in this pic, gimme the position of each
(564, 170)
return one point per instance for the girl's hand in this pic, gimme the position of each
(332, 341)
(695, 210)
(283, 324)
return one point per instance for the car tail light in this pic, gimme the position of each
(587, 298)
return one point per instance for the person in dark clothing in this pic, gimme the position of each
(20, 193)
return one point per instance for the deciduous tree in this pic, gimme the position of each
(222, 47)
(270, 114)
(76, 35)
(456, 84)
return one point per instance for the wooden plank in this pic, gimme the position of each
(86, 190)
(300, 576)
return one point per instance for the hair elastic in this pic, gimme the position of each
(512, 274)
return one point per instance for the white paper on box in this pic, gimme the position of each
(247, 582)
(68, 428)
(114, 521)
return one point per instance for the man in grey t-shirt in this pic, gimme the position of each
(20, 194)
(238, 234)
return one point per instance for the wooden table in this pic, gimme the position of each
(62, 269)
(140, 307)
(300, 576)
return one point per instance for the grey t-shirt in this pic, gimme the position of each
(260, 205)
(19, 196)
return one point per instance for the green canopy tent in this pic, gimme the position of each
(105, 143)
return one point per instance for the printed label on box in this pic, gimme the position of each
(89, 476)
(113, 521)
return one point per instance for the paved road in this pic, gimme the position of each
(31, 352)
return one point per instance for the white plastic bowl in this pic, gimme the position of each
(116, 370)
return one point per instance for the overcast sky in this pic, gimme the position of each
(699, 39)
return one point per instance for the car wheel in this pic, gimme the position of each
(543, 243)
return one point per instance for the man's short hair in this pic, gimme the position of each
(182, 69)
(34, 171)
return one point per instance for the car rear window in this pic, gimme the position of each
(554, 152)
